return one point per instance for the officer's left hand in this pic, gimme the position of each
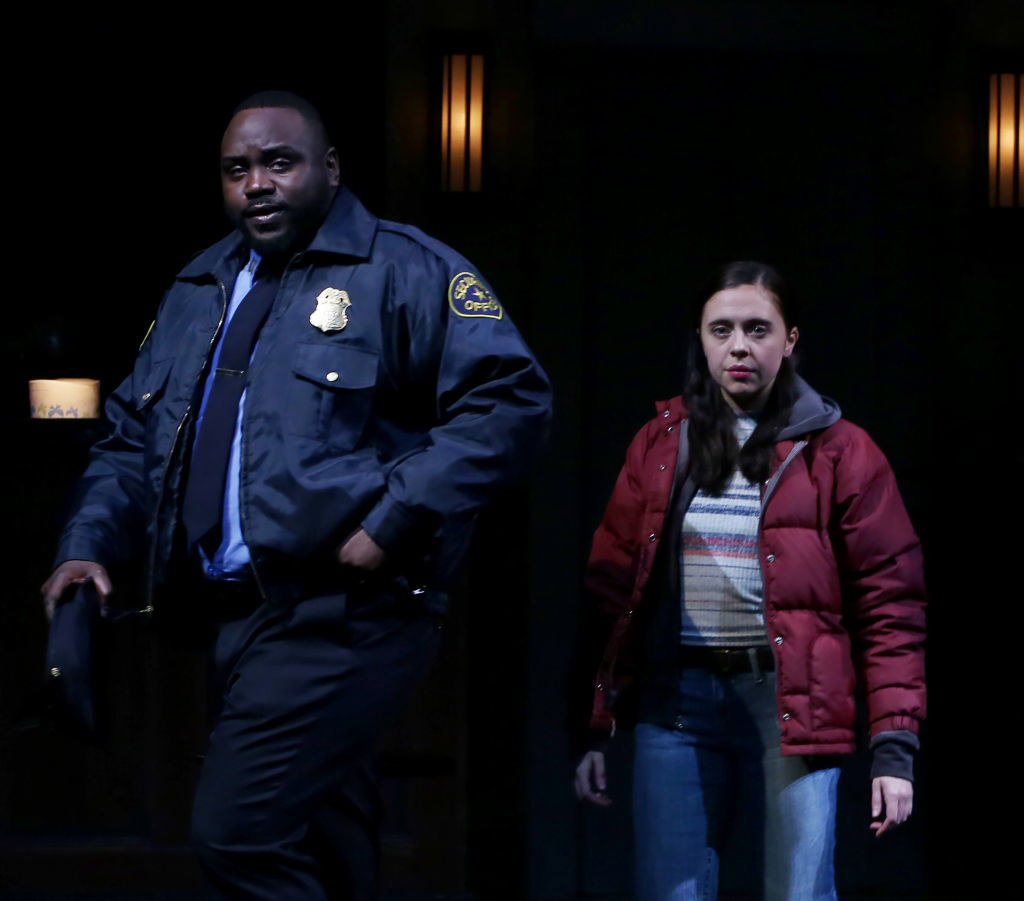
(361, 552)
(892, 796)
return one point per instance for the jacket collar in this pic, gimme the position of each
(221, 260)
(673, 406)
(348, 230)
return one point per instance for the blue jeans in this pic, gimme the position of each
(715, 796)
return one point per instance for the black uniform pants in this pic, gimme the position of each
(286, 806)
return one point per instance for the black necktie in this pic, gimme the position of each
(204, 493)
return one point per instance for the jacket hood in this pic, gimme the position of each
(812, 412)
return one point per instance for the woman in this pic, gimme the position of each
(755, 563)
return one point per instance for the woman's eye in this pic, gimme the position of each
(720, 331)
(758, 331)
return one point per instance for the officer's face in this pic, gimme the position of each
(278, 177)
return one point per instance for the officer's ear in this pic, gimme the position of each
(333, 165)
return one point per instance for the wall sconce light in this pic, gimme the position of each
(462, 122)
(64, 398)
(1005, 160)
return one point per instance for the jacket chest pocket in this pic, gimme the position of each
(331, 395)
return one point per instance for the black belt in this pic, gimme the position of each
(726, 660)
(226, 600)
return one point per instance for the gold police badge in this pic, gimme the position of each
(330, 315)
(469, 296)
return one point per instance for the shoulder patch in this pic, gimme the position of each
(469, 296)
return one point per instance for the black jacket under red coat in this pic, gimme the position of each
(842, 569)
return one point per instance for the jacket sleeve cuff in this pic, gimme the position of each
(75, 546)
(896, 723)
(892, 754)
(389, 522)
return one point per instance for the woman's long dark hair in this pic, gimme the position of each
(714, 451)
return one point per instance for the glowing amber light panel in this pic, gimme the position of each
(1005, 167)
(462, 129)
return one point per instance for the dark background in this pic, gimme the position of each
(628, 152)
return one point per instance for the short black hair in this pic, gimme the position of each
(285, 100)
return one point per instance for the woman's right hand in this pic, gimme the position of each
(590, 779)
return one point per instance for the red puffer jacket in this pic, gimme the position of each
(843, 576)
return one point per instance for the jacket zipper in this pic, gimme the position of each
(174, 445)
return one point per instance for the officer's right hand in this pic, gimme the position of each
(590, 779)
(74, 572)
(360, 551)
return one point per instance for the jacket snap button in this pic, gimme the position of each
(331, 376)
(600, 686)
(147, 395)
(665, 414)
(55, 672)
(785, 716)
(778, 639)
(770, 558)
(671, 428)
(651, 537)
(680, 723)
(662, 467)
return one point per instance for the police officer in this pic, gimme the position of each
(324, 402)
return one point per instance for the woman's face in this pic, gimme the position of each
(745, 341)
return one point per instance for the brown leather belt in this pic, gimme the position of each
(726, 660)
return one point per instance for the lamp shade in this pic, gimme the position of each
(462, 122)
(1005, 159)
(64, 398)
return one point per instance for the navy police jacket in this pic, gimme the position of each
(388, 391)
